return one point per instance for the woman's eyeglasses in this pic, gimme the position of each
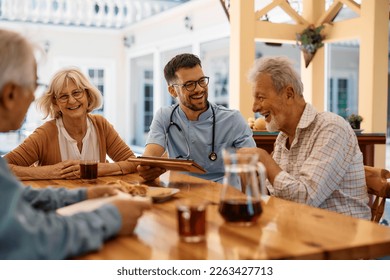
(191, 85)
(76, 94)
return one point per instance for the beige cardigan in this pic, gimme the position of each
(42, 146)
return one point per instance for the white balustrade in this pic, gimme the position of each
(103, 13)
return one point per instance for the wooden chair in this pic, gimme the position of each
(378, 188)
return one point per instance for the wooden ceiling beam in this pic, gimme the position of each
(292, 13)
(345, 30)
(352, 5)
(277, 32)
(266, 9)
(330, 14)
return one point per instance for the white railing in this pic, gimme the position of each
(94, 13)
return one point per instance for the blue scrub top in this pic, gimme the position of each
(195, 137)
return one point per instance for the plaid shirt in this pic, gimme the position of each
(323, 167)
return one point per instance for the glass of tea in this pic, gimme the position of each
(89, 170)
(191, 219)
(244, 180)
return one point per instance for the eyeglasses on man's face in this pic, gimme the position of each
(39, 86)
(191, 85)
(76, 94)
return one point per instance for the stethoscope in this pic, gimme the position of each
(212, 155)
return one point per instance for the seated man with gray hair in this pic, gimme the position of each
(316, 158)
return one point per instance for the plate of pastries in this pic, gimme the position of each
(158, 194)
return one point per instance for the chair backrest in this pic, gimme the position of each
(378, 188)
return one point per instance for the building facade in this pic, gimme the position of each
(126, 60)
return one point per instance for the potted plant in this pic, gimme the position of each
(309, 41)
(355, 120)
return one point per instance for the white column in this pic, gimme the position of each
(157, 78)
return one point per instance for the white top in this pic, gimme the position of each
(68, 146)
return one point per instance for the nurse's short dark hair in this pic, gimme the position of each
(184, 60)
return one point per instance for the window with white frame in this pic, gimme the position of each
(215, 63)
(340, 98)
(221, 88)
(148, 99)
(96, 76)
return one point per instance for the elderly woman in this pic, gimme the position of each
(55, 149)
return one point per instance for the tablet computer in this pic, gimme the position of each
(170, 163)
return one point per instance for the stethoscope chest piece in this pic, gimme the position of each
(213, 156)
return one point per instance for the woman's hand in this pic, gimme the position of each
(68, 169)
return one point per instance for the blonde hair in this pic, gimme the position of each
(47, 102)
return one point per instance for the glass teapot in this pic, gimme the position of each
(243, 185)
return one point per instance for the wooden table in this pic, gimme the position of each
(367, 142)
(285, 230)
